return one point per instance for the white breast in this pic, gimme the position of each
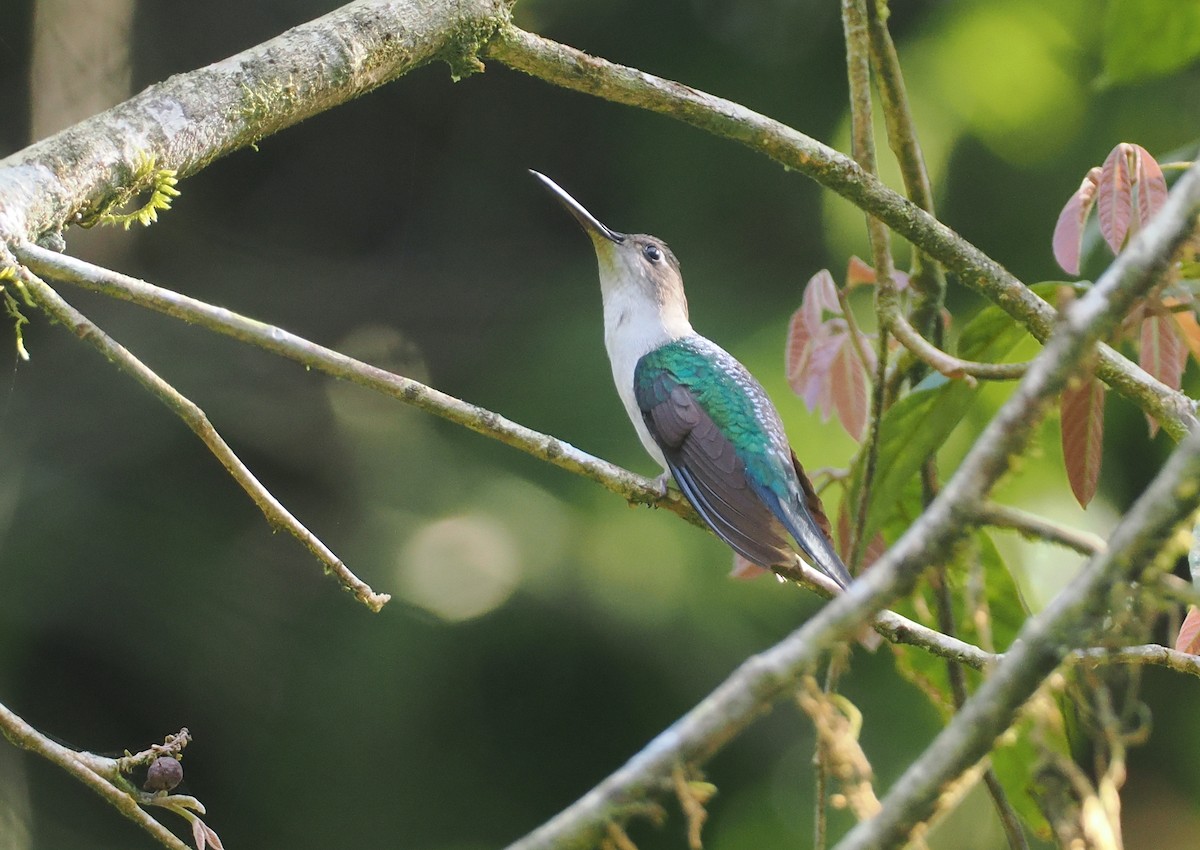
(634, 326)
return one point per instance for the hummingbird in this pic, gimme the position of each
(698, 411)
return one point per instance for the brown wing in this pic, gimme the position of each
(713, 478)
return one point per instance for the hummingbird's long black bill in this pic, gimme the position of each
(586, 220)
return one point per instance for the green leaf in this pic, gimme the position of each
(919, 424)
(1149, 38)
(988, 611)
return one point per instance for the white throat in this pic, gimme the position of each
(634, 325)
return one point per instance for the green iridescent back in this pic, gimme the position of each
(729, 394)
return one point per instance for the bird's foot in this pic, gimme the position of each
(659, 484)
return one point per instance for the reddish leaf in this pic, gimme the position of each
(199, 833)
(850, 393)
(858, 273)
(820, 300)
(1152, 186)
(875, 548)
(744, 570)
(1114, 198)
(796, 350)
(1068, 232)
(842, 542)
(817, 385)
(808, 325)
(1083, 436)
(1161, 352)
(1190, 329)
(214, 840)
(1189, 633)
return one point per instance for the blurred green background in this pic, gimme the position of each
(542, 632)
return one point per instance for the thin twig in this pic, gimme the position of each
(277, 515)
(1034, 527)
(891, 317)
(928, 278)
(1153, 654)
(574, 69)
(634, 488)
(858, 71)
(92, 770)
(1009, 820)
(1005, 813)
(945, 363)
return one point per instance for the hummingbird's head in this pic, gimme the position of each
(636, 269)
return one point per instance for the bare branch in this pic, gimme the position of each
(194, 418)
(928, 278)
(632, 487)
(1152, 654)
(574, 69)
(943, 362)
(96, 772)
(891, 317)
(1033, 527)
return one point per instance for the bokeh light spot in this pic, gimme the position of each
(460, 567)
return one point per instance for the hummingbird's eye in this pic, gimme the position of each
(652, 253)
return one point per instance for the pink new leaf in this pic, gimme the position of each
(807, 325)
(199, 833)
(1068, 232)
(796, 350)
(1161, 352)
(1190, 329)
(1189, 632)
(817, 386)
(820, 300)
(1114, 199)
(858, 273)
(1083, 436)
(848, 385)
(1152, 186)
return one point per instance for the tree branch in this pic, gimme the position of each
(574, 69)
(1033, 527)
(765, 677)
(928, 278)
(1136, 543)
(189, 120)
(96, 772)
(945, 363)
(277, 515)
(631, 487)
(891, 317)
(1153, 654)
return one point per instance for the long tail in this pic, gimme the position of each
(813, 531)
